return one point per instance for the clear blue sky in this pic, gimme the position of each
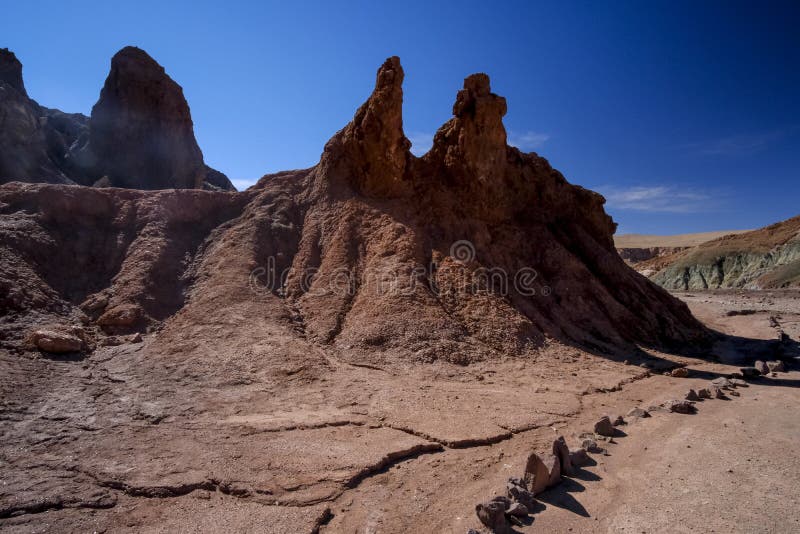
(686, 115)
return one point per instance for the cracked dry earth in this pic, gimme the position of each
(127, 440)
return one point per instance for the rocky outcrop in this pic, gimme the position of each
(761, 259)
(633, 256)
(475, 251)
(140, 135)
(33, 140)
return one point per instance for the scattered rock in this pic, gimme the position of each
(561, 451)
(692, 395)
(739, 383)
(734, 393)
(680, 372)
(678, 406)
(604, 427)
(776, 367)
(517, 490)
(553, 466)
(135, 338)
(704, 393)
(718, 392)
(493, 515)
(762, 367)
(56, 342)
(537, 475)
(517, 509)
(638, 413)
(618, 421)
(722, 382)
(590, 445)
(750, 372)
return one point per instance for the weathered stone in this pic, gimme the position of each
(691, 395)
(761, 367)
(704, 393)
(561, 451)
(536, 476)
(734, 393)
(722, 382)
(553, 466)
(680, 372)
(56, 342)
(638, 413)
(517, 490)
(618, 421)
(604, 427)
(680, 406)
(718, 392)
(517, 509)
(493, 515)
(590, 445)
(739, 383)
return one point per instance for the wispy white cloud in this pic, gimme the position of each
(421, 142)
(660, 198)
(528, 140)
(738, 145)
(242, 184)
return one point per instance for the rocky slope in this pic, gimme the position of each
(472, 251)
(761, 259)
(140, 134)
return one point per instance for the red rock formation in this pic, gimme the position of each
(474, 251)
(141, 134)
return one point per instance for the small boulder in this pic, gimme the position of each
(553, 466)
(692, 395)
(537, 475)
(561, 451)
(704, 393)
(590, 445)
(718, 392)
(761, 367)
(517, 509)
(638, 413)
(493, 515)
(750, 372)
(56, 342)
(722, 382)
(517, 491)
(739, 383)
(776, 367)
(618, 421)
(678, 406)
(680, 372)
(604, 427)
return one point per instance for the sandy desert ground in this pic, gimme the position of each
(120, 443)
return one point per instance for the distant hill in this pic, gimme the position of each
(759, 259)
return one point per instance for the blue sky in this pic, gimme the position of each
(686, 115)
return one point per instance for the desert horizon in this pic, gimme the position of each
(544, 280)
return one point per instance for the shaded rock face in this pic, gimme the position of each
(140, 135)
(373, 252)
(33, 139)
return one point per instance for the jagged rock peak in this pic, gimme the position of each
(11, 70)
(473, 143)
(141, 132)
(373, 146)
